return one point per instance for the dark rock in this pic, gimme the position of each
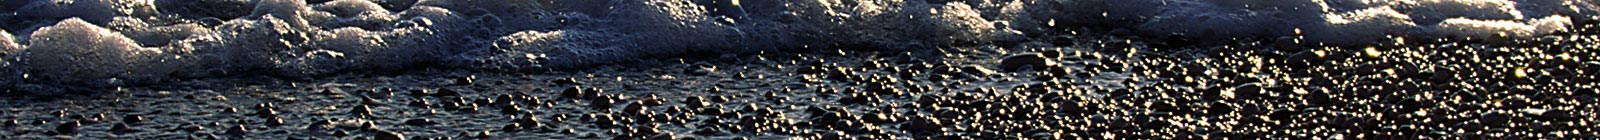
(1319, 98)
(1219, 108)
(1033, 60)
(275, 121)
(482, 134)
(237, 130)
(445, 92)
(119, 127)
(1283, 115)
(1247, 91)
(68, 127)
(132, 119)
(465, 80)
(694, 102)
(572, 92)
(1288, 44)
(511, 127)
(388, 135)
(602, 103)
(1494, 117)
(362, 110)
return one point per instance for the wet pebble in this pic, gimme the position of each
(132, 119)
(388, 135)
(1031, 60)
(68, 127)
(120, 127)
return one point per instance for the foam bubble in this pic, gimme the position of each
(7, 46)
(94, 11)
(1464, 27)
(76, 51)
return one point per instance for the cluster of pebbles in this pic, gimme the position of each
(1076, 84)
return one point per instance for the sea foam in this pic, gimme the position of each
(122, 42)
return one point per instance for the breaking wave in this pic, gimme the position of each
(118, 42)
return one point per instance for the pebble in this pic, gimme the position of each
(1017, 62)
(388, 135)
(1247, 91)
(1493, 117)
(362, 110)
(572, 92)
(694, 102)
(274, 121)
(602, 103)
(565, 81)
(132, 119)
(445, 92)
(119, 127)
(1319, 98)
(237, 130)
(465, 80)
(68, 127)
(482, 134)
(1289, 44)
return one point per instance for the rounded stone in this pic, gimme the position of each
(1015, 63)
(68, 127)
(388, 135)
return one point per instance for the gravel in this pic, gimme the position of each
(1237, 89)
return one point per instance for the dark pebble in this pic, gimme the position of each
(466, 80)
(362, 110)
(565, 81)
(1017, 62)
(274, 121)
(1247, 91)
(1494, 117)
(572, 92)
(119, 127)
(1283, 114)
(237, 130)
(68, 128)
(482, 134)
(132, 119)
(694, 102)
(1319, 98)
(445, 92)
(388, 135)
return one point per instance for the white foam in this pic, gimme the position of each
(94, 11)
(7, 46)
(1481, 29)
(137, 43)
(77, 51)
(1344, 22)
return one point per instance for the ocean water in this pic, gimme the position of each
(121, 42)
